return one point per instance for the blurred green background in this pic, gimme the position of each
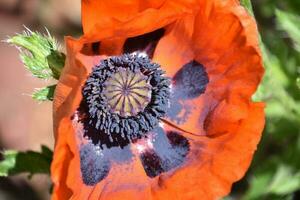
(274, 173)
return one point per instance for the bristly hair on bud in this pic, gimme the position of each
(44, 94)
(41, 56)
(35, 51)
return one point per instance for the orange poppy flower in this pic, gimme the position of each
(125, 129)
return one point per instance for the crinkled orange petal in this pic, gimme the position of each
(216, 163)
(107, 19)
(226, 125)
(101, 12)
(175, 47)
(65, 167)
(65, 97)
(224, 39)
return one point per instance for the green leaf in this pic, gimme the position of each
(56, 61)
(258, 183)
(31, 162)
(8, 162)
(284, 181)
(290, 23)
(39, 53)
(273, 89)
(44, 94)
(298, 82)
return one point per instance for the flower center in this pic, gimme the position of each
(123, 99)
(127, 93)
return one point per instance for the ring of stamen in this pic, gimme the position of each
(124, 96)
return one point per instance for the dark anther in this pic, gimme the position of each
(144, 43)
(95, 135)
(190, 81)
(123, 99)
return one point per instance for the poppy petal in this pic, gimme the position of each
(103, 19)
(172, 148)
(66, 95)
(144, 43)
(228, 57)
(204, 153)
(151, 163)
(71, 175)
(213, 164)
(167, 152)
(190, 81)
(174, 49)
(95, 12)
(94, 166)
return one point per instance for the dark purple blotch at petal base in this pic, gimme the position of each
(144, 43)
(95, 162)
(172, 148)
(94, 167)
(91, 49)
(151, 163)
(190, 81)
(96, 48)
(169, 152)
